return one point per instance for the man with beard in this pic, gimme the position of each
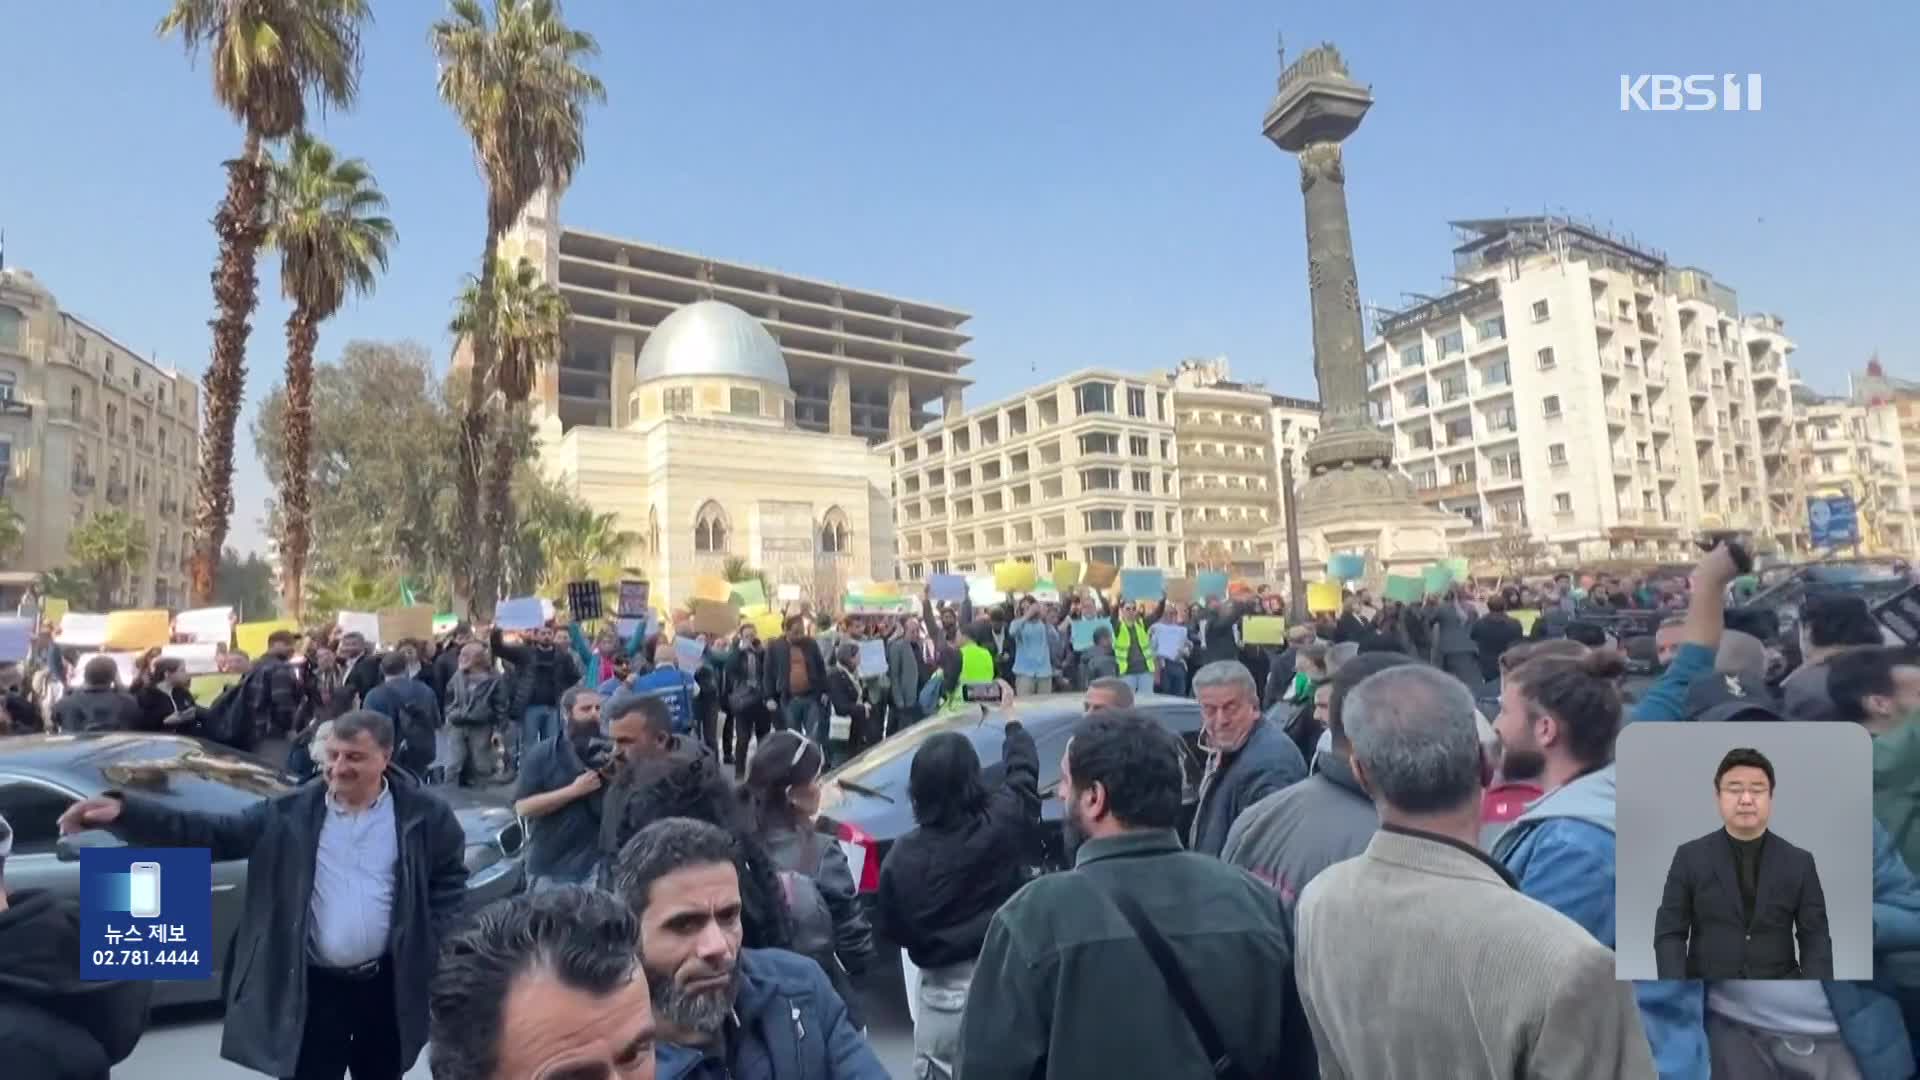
(545, 985)
(360, 673)
(1289, 837)
(1119, 945)
(559, 790)
(724, 1011)
(644, 750)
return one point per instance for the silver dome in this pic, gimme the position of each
(709, 337)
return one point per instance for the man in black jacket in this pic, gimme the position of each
(359, 673)
(1736, 898)
(351, 886)
(53, 1025)
(99, 704)
(541, 673)
(797, 681)
(274, 707)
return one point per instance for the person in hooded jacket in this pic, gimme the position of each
(780, 801)
(53, 1025)
(942, 883)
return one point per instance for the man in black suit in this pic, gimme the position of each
(1736, 898)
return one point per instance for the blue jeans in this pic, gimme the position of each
(1173, 677)
(809, 717)
(1141, 682)
(541, 722)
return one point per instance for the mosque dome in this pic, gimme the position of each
(711, 338)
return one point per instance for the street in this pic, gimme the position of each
(184, 1044)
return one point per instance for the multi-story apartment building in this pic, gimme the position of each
(87, 424)
(1230, 436)
(1895, 405)
(860, 363)
(1083, 468)
(1852, 445)
(1580, 389)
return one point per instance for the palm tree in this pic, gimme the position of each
(324, 214)
(579, 544)
(521, 93)
(529, 320)
(13, 531)
(106, 548)
(267, 56)
(350, 591)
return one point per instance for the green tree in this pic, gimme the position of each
(13, 531)
(521, 93)
(106, 548)
(246, 585)
(577, 543)
(69, 584)
(350, 591)
(529, 334)
(326, 217)
(267, 57)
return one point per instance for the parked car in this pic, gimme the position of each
(866, 798)
(42, 775)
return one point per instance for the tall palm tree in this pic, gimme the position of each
(579, 544)
(351, 591)
(325, 215)
(267, 56)
(520, 92)
(529, 321)
(107, 548)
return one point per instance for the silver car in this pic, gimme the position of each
(42, 775)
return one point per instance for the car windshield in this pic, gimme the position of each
(883, 769)
(191, 773)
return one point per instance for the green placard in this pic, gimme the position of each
(1436, 578)
(1407, 590)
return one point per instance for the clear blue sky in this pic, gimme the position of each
(1087, 178)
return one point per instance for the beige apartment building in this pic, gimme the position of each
(88, 424)
(859, 363)
(1083, 468)
(1581, 389)
(1854, 446)
(1230, 436)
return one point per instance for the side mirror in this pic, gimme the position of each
(68, 848)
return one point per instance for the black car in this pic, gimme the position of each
(42, 775)
(867, 797)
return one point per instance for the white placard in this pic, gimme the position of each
(16, 638)
(520, 613)
(787, 594)
(82, 629)
(200, 658)
(123, 660)
(364, 623)
(212, 625)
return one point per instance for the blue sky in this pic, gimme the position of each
(1087, 178)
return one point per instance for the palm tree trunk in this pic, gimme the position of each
(476, 583)
(295, 510)
(499, 515)
(235, 292)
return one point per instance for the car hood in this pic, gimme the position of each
(482, 823)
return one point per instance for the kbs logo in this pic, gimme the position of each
(1689, 93)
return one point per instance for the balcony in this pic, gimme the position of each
(1622, 465)
(1667, 470)
(83, 482)
(1649, 326)
(1697, 387)
(1443, 492)
(1496, 482)
(1656, 374)
(1771, 405)
(1616, 416)
(1609, 364)
(11, 406)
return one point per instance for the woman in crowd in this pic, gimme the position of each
(781, 801)
(160, 690)
(942, 882)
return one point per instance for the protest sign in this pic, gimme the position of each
(1209, 585)
(951, 588)
(1083, 631)
(789, 593)
(519, 613)
(710, 587)
(1180, 590)
(633, 599)
(689, 654)
(1142, 584)
(1066, 574)
(251, 637)
(749, 594)
(364, 623)
(405, 623)
(1099, 575)
(716, 617)
(1014, 577)
(214, 625)
(135, 631)
(16, 639)
(1263, 630)
(583, 600)
(1323, 596)
(1407, 590)
(873, 658)
(1346, 567)
(198, 658)
(1436, 578)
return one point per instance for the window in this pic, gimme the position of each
(1545, 359)
(1417, 396)
(1099, 479)
(6, 466)
(1104, 520)
(1506, 466)
(1500, 419)
(1099, 442)
(1139, 446)
(1143, 520)
(743, 402)
(6, 387)
(77, 401)
(1111, 554)
(1143, 481)
(1461, 473)
(1159, 406)
(1557, 454)
(1413, 356)
(1490, 329)
(1498, 374)
(710, 530)
(1093, 398)
(1563, 503)
(33, 811)
(113, 419)
(833, 532)
(1459, 431)
(1136, 402)
(1423, 440)
(1550, 407)
(1450, 343)
(1539, 311)
(10, 323)
(677, 400)
(1145, 555)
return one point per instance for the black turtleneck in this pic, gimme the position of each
(1746, 864)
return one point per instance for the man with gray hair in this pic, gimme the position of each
(1109, 692)
(1247, 757)
(1406, 929)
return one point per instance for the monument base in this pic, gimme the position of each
(1372, 511)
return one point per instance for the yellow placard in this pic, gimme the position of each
(1066, 574)
(1099, 575)
(767, 625)
(709, 587)
(136, 631)
(716, 617)
(882, 588)
(1526, 617)
(1263, 630)
(1015, 577)
(1323, 596)
(251, 637)
(52, 610)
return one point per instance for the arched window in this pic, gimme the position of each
(11, 322)
(653, 530)
(78, 400)
(710, 530)
(833, 532)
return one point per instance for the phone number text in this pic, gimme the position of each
(145, 957)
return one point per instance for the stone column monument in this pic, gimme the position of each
(1353, 500)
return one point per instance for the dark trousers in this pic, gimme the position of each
(351, 1027)
(750, 723)
(901, 717)
(864, 727)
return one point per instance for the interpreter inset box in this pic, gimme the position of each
(1744, 851)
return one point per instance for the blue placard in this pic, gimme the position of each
(146, 913)
(1833, 520)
